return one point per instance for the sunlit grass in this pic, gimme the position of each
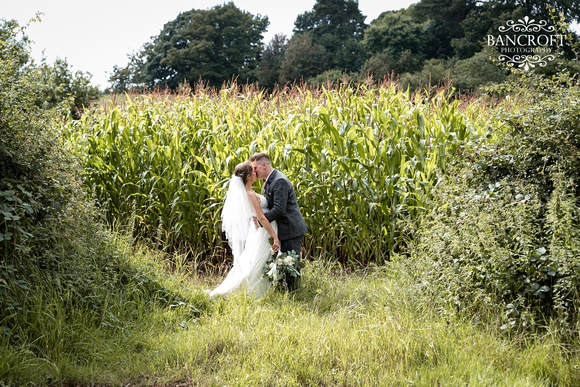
(354, 330)
(369, 328)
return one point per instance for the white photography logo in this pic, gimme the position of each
(529, 43)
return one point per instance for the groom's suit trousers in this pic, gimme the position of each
(288, 245)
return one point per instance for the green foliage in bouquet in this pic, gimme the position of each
(280, 268)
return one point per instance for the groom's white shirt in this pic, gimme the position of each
(265, 180)
(267, 177)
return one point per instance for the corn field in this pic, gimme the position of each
(363, 161)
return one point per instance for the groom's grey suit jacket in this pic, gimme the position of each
(283, 206)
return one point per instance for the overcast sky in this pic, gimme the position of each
(93, 36)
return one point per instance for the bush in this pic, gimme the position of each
(435, 73)
(543, 137)
(66, 282)
(506, 223)
(478, 71)
(503, 245)
(31, 156)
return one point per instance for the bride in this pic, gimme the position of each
(243, 208)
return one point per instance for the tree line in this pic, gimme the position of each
(51, 86)
(426, 43)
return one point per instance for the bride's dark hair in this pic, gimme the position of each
(243, 170)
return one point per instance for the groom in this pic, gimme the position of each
(283, 207)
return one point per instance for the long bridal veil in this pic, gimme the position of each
(237, 215)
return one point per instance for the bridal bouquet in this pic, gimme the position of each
(279, 268)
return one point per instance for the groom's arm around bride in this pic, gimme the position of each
(282, 203)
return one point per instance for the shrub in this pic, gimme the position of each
(506, 223)
(30, 152)
(478, 71)
(541, 138)
(62, 274)
(503, 245)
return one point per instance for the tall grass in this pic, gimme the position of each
(362, 159)
(370, 328)
(77, 302)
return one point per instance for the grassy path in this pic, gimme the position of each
(338, 330)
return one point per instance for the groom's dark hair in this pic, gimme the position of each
(261, 157)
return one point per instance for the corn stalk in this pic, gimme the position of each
(363, 161)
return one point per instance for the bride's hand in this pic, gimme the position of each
(276, 244)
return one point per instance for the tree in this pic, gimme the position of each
(570, 9)
(397, 39)
(271, 63)
(459, 27)
(303, 59)
(121, 80)
(214, 46)
(128, 78)
(379, 66)
(13, 45)
(59, 85)
(337, 26)
(49, 86)
(444, 19)
(478, 24)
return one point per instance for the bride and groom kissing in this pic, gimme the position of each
(249, 220)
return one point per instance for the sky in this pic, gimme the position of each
(93, 36)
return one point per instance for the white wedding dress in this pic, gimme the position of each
(247, 273)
